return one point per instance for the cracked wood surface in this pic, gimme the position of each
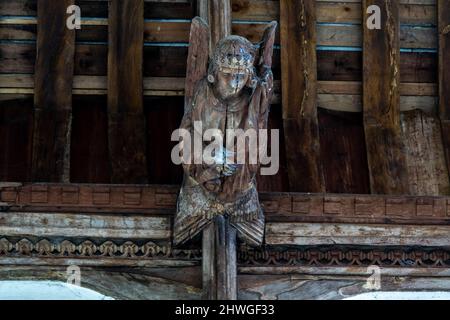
(126, 122)
(159, 283)
(198, 58)
(424, 152)
(304, 234)
(299, 86)
(426, 141)
(53, 93)
(334, 286)
(217, 13)
(381, 102)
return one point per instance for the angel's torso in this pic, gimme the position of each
(216, 114)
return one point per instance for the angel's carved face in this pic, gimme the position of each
(232, 66)
(230, 82)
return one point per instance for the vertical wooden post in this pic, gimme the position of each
(219, 261)
(53, 93)
(218, 15)
(381, 83)
(219, 238)
(299, 87)
(444, 73)
(424, 142)
(126, 127)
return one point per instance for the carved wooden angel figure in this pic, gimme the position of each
(232, 92)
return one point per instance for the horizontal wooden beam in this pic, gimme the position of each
(344, 35)
(98, 262)
(90, 58)
(411, 12)
(79, 225)
(352, 271)
(176, 85)
(305, 234)
(156, 200)
(332, 95)
(97, 211)
(85, 198)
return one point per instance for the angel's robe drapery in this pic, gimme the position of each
(205, 193)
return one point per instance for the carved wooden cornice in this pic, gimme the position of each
(89, 198)
(279, 207)
(344, 257)
(378, 209)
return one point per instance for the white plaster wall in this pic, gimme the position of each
(402, 296)
(46, 290)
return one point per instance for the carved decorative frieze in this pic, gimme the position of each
(87, 248)
(247, 256)
(332, 257)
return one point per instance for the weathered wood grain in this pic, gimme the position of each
(91, 59)
(344, 159)
(279, 182)
(444, 73)
(169, 31)
(160, 200)
(53, 93)
(219, 261)
(298, 40)
(420, 12)
(338, 285)
(334, 11)
(349, 234)
(156, 199)
(209, 269)
(425, 158)
(219, 238)
(226, 259)
(122, 282)
(198, 57)
(332, 95)
(126, 122)
(381, 100)
(217, 13)
(99, 8)
(78, 225)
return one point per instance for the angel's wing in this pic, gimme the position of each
(260, 103)
(266, 46)
(198, 56)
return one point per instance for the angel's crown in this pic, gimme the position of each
(234, 53)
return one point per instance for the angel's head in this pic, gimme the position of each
(232, 66)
